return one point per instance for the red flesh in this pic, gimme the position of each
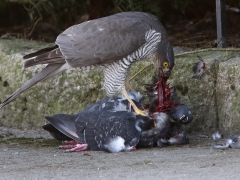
(164, 104)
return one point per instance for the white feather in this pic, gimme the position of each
(115, 145)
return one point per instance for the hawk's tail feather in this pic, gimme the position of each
(42, 51)
(50, 55)
(47, 72)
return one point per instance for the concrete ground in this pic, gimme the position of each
(39, 158)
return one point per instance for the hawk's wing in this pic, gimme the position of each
(103, 40)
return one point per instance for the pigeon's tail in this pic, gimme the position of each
(49, 71)
(65, 124)
(56, 134)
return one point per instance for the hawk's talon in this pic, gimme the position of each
(136, 109)
(140, 112)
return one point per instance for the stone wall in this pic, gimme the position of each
(213, 99)
(68, 92)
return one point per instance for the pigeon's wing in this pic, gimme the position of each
(101, 126)
(93, 136)
(111, 104)
(113, 124)
(145, 142)
(65, 124)
(81, 123)
(98, 106)
(144, 123)
(103, 40)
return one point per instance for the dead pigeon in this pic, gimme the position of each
(119, 108)
(102, 130)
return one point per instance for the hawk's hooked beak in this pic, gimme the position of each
(165, 72)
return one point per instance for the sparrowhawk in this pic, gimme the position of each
(110, 43)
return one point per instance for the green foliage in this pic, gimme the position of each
(38, 7)
(153, 7)
(3, 3)
(181, 5)
(157, 7)
(63, 9)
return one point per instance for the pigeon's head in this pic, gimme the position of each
(181, 114)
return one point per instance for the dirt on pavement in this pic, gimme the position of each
(40, 159)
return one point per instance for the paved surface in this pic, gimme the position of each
(31, 159)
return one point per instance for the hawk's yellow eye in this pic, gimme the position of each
(165, 64)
